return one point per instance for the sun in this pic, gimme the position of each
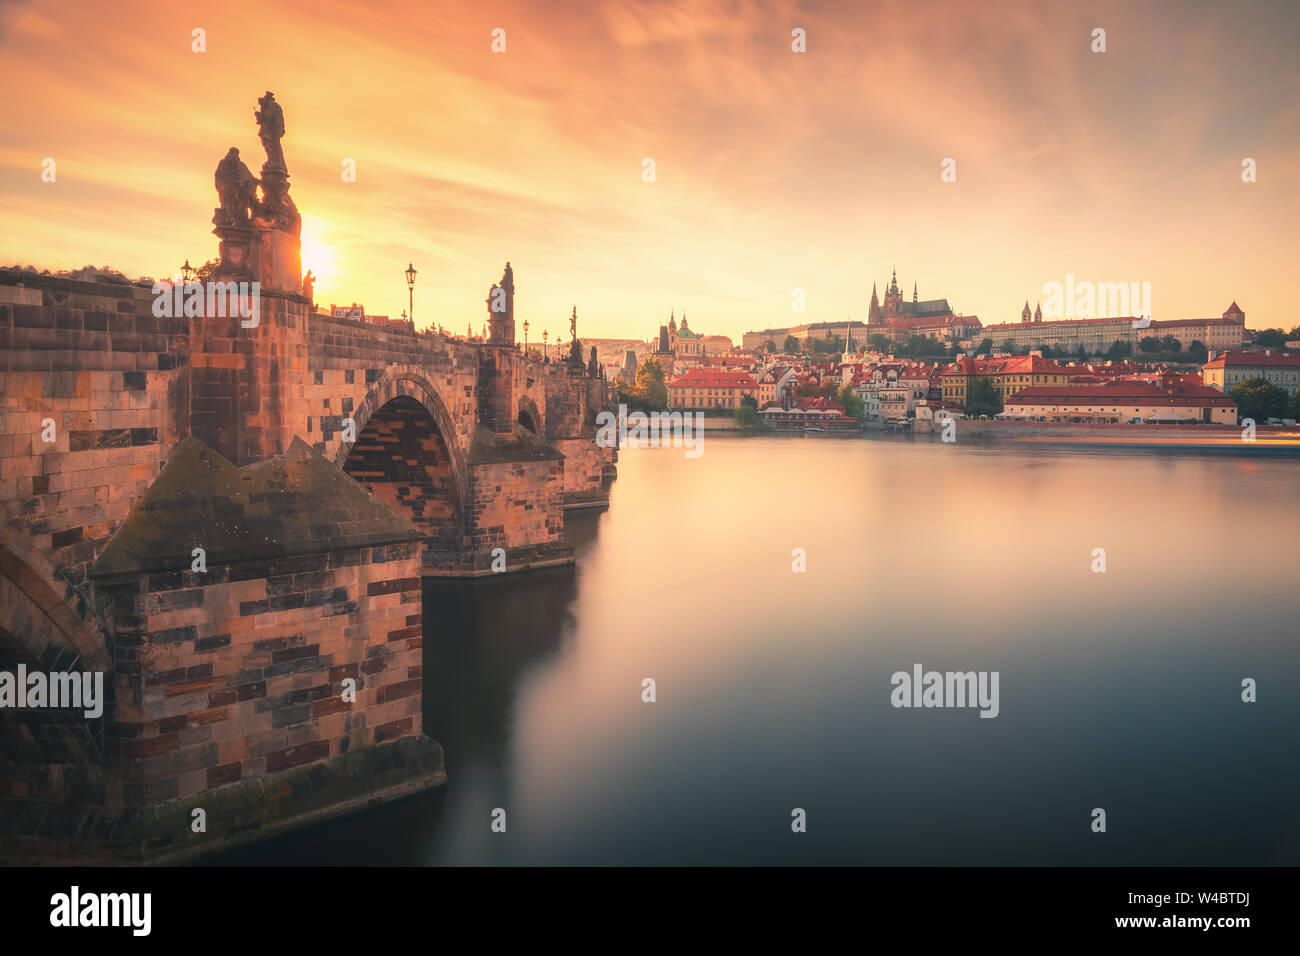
(318, 254)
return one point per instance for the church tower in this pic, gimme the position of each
(873, 310)
(893, 298)
(1024, 315)
(1038, 312)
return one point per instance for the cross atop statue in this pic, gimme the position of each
(573, 324)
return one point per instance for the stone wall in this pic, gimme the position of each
(238, 672)
(243, 399)
(114, 380)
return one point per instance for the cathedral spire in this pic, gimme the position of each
(914, 290)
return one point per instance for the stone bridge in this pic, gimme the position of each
(231, 524)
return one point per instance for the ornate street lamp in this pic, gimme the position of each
(545, 354)
(187, 273)
(410, 286)
(525, 338)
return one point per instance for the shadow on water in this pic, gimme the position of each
(480, 638)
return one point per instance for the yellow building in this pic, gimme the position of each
(1008, 375)
(703, 387)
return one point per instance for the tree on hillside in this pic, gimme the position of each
(1197, 352)
(985, 347)
(1270, 339)
(853, 406)
(983, 399)
(769, 346)
(1119, 349)
(879, 342)
(1259, 400)
(791, 346)
(811, 389)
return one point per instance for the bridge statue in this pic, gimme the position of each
(270, 123)
(236, 191)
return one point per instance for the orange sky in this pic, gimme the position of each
(775, 170)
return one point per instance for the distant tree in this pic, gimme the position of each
(983, 399)
(747, 412)
(204, 272)
(879, 342)
(1295, 406)
(769, 346)
(985, 347)
(853, 406)
(648, 393)
(1259, 400)
(811, 389)
(1119, 349)
(791, 346)
(1270, 338)
(1081, 353)
(1197, 352)
(1170, 343)
(1149, 344)
(1293, 334)
(650, 382)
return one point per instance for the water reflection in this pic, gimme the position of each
(1119, 690)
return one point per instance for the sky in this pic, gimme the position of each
(773, 170)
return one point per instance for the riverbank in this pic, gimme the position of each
(1284, 439)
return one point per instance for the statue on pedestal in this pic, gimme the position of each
(270, 126)
(236, 191)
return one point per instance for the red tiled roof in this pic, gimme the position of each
(1121, 391)
(1248, 359)
(702, 377)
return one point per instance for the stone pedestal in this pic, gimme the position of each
(238, 250)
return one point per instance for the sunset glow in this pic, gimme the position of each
(774, 170)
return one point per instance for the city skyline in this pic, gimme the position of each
(1114, 167)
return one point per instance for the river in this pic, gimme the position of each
(1118, 689)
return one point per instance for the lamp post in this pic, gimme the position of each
(545, 354)
(410, 287)
(187, 272)
(525, 338)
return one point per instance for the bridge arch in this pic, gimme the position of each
(49, 754)
(37, 619)
(406, 454)
(529, 416)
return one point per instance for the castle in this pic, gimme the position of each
(901, 320)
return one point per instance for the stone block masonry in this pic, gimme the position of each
(240, 672)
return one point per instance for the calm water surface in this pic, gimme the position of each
(1118, 690)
